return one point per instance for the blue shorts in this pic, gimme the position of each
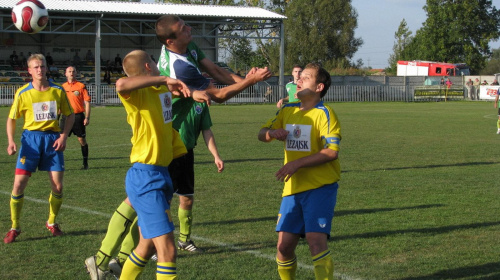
(309, 211)
(149, 189)
(37, 152)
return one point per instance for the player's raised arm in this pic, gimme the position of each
(128, 84)
(226, 93)
(218, 73)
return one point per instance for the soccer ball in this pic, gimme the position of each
(30, 16)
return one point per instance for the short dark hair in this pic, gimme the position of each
(297, 66)
(163, 27)
(322, 76)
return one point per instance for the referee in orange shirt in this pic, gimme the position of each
(80, 101)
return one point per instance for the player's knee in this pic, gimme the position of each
(286, 250)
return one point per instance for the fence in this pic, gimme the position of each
(260, 94)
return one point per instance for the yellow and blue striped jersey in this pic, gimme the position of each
(40, 108)
(309, 132)
(149, 113)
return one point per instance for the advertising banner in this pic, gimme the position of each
(488, 92)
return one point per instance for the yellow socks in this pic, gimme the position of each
(286, 269)
(323, 266)
(16, 205)
(129, 243)
(185, 222)
(55, 202)
(166, 271)
(118, 227)
(135, 264)
(133, 267)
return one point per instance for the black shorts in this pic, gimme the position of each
(78, 128)
(182, 173)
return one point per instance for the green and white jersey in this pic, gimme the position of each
(291, 89)
(184, 67)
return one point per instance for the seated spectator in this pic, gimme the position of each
(14, 59)
(484, 83)
(76, 60)
(107, 77)
(22, 60)
(495, 83)
(54, 72)
(50, 78)
(118, 62)
(48, 59)
(109, 66)
(89, 57)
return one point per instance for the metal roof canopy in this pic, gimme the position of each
(132, 19)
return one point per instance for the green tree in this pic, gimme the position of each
(493, 64)
(321, 31)
(242, 56)
(456, 31)
(403, 38)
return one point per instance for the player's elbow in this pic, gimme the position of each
(263, 135)
(120, 85)
(218, 95)
(330, 154)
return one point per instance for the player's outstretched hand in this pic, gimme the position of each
(260, 74)
(251, 71)
(177, 87)
(202, 97)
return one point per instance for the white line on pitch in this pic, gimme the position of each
(207, 240)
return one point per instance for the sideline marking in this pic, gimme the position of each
(207, 240)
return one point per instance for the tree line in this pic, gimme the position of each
(323, 31)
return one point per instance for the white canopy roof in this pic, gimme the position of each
(119, 7)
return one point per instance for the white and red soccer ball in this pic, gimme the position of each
(30, 16)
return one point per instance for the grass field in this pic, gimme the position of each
(419, 197)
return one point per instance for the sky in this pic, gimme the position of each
(378, 21)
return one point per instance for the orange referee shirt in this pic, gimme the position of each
(77, 94)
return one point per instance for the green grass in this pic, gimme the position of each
(419, 197)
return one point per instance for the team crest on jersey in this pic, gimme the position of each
(298, 138)
(45, 111)
(198, 109)
(194, 54)
(167, 101)
(297, 132)
(166, 104)
(76, 92)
